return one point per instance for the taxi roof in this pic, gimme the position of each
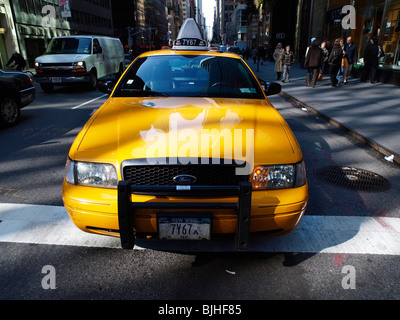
(190, 42)
(189, 37)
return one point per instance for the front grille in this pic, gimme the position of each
(162, 175)
(57, 73)
(54, 64)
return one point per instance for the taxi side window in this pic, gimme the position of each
(137, 76)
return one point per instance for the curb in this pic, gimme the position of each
(371, 143)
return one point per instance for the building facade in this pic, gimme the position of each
(8, 36)
(31, 37)
(374, 18)
(30, 24)
(175, 19)
(239, 23)
(124, 22)
(92, 17)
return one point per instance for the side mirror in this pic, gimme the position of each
(272, 88)
(263, 83)
(105, 86)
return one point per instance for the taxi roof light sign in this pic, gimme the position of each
(189, 37)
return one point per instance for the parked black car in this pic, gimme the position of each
(16, 92)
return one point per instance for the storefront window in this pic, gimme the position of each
(22, 6)
(334, 17)
(390, 36)
(378, 19)
(369, 15)
(31, 7)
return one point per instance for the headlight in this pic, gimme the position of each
(36, 64)
(91, 174)
(79, 64)
(279, 176)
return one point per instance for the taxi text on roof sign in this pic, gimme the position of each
(189, 37)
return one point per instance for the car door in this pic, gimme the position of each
(107, 46)
(99, 58)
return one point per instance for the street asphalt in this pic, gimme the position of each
(369, 112)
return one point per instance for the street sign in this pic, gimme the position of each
(66, 9)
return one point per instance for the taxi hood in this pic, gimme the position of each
(148, 128)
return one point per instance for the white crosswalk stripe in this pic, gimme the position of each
(38, 224)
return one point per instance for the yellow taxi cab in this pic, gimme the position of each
(187, 147)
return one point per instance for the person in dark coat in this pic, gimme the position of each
(371, 61)
(313, 62)
(288, 59)
(325, 56)
(351, 56)
(335, 61)
(18, 60)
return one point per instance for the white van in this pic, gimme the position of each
(79, 59)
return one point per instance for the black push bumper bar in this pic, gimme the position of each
(126, 207)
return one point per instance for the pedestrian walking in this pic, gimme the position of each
(335, 61)
(288, 59)
(325, 57)
(261, 53)
(278, 56)
(18, 60)
(247, 53)
(371, 61)
(313, 62)
(351, 58)
(341, 41)
(254, 54)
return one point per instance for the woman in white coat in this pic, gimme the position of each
(278, 57)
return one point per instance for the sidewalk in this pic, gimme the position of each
(370, 112)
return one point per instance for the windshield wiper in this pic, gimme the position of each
(148, 93)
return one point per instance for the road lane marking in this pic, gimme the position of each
(87, 102)
(51, 225)
(39, 132)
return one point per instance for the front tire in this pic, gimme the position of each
(92, 84)
(9, 111)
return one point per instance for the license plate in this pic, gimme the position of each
(191, 228)
(56, 80)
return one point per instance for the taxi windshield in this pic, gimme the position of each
(189, 76)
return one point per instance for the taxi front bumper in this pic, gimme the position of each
(235, 210)
(242, 207)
